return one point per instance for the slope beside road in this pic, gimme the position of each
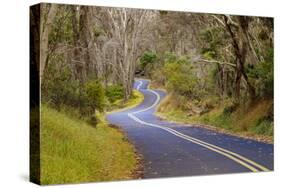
(173, 149)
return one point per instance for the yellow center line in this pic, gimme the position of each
(196, 142)
(229, 154)
(227, 151)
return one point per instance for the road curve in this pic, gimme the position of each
(173, 149)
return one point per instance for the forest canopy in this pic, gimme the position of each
(94, 53)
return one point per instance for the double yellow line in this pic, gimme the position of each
(251, 165)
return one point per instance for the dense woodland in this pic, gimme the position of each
(90, 56)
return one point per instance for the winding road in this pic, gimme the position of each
(172, 149)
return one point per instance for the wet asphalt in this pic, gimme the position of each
(168, 155)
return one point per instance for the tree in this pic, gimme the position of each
(128, 26)
(47, 16)
(240, 50)
(228, 54)
(147, 61)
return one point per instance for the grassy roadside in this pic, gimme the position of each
(247, 122)
(73, 151)
(120, 105)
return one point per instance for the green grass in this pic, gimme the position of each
(264, 127)
(72, 151)
(135, 99)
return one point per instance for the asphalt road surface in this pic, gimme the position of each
(173, 149)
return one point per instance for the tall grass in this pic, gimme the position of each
(72, 151)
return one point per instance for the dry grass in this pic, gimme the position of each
(249, 120)
(248, 117)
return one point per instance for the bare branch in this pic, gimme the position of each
(218, 62)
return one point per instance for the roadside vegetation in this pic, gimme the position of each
(121, 104)
(250, 121)
(77, 144)
(217, 69)
(83, 77)
(198, 100)
(74, 151)
(225, 80)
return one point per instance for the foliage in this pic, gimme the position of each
(253, 121)
(193, 57)
(95, 95)
(147, 62)
(135, 99)
(263, 127)
(213, 39)
(62, 28)
(158, 76)
(92, 98)
(181, 78)
(114, 92)
(147, 58)
(58, 87)
(170, 57)
(262, 75)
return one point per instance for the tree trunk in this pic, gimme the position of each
(241, 53)
(45, 29)
(85, 39)
(77, 48)
(244, 24)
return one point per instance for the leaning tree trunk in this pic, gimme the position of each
(240, 53)
(243, 25)
(239, 59)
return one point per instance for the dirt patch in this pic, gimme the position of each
(139, 170)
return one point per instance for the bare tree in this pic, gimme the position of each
(128, 27)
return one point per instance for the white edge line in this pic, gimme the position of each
(139, 85)
(194, 140)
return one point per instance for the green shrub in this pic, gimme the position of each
(148, 62)
(261, 75)
(181, 79)
(62, 91)
(264, 127)
(148, 57)
(114, 93)
(94, 95)
(91, 99)
(213, 40)
(170, 57)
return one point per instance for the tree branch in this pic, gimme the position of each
(218, 62)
